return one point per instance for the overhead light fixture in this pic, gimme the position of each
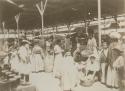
(21, 6)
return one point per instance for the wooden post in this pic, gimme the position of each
(69, 28)
(41, 10)
(17, 26)
(3, 29)
(99, 22)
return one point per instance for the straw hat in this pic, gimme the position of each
(26, 42)
(93, 56)
(119, 51)
(115, 35)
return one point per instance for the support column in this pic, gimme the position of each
(99, 22)
(41, 10)
(3, 30)
(17, 17)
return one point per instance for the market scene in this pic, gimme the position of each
(62, 45)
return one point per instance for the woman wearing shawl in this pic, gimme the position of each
(122, 69)
(114, 54)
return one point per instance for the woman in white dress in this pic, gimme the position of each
(58, 59)
(49, 61)
(37, 57)
(24, 57)
(91, 44)
(14, 61)
(69, 73)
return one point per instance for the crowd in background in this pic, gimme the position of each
(73, 64)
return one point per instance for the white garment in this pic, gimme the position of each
(58, 60)
(92, 66)
(37, 59)
(92, 44)
(103, 74)
(49, 63)
(24, 65)
(14, 61)
(119, 62)
(69, 74)
(112, 77)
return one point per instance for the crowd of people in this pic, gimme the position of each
(84, 66)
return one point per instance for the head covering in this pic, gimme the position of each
(115, 35)
(26, 42)
(93, 56)
(123, 37)
(68, 54)
(119, 52)
(118, 47)
(36, 40)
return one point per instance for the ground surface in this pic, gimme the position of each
(46, 82)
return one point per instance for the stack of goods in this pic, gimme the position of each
(8, 76)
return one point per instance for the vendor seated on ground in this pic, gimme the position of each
(92, 67)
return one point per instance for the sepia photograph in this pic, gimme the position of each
(62, 45)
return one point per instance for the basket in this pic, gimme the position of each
(87, 83)
(86, 53)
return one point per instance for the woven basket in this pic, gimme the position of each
(87, 83)
(86, 53)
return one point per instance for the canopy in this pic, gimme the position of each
(58, 12)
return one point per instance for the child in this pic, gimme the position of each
(92, 67)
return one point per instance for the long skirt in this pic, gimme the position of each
(103, 72)
(57, 65)
(49, 63)
(69, 78)
(15, 63)
(122, 85)
(112, 77)
(24, 68)
(37, 63)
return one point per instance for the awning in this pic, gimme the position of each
(58, 12)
